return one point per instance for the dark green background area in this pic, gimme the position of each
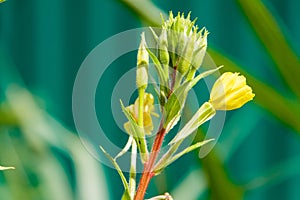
(48, 40)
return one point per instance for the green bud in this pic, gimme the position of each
(172, 41)
(142, 56)
(163, 48)
(200, 49)
(142, 64)
(187, 57)
(163, 52)
(142, 77)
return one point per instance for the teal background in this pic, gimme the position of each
(48, 40)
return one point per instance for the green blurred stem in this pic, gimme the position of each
(145, 10)
(273, 39)
(7, 118)
(220, 184)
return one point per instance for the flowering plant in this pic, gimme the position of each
(180, 51)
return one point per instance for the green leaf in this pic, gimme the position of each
(189, 149)
(126, 196)
(273, 39)
(195, 80)
(174, 105)
(176, 101)
(146, 11)
(161, 74)
(166, 163)
(154, 34)
(115, 164)
(161, 164)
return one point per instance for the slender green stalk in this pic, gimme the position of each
(141, 107)
(132, 174)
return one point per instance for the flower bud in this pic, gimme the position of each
(163, 48)
(148, 109)
(187, 56)
(230, 92)
(142, 64)
(186, 45)
(200, 49)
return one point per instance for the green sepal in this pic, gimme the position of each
(138, 134)
(203, 114)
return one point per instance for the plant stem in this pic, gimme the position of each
(141, 107)
(148, 166)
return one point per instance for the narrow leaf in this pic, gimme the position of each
(178, 155)
(203, 75)
(154, 34)
(126, 148)
(175, 104)
(161, 74)
(115, 164)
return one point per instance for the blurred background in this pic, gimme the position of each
(42, 45)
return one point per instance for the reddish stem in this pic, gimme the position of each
(148, 167)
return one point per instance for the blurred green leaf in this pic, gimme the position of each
(6, 119)
(276, 174)
(194, 182)
(145, 10)
(270, 34)
(220, 185)
(42, 132)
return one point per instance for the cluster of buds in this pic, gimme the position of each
(185, 43)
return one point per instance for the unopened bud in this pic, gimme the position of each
(142, 64)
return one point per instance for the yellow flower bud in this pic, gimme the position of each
(230, 92)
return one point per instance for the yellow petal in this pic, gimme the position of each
(230, 92)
